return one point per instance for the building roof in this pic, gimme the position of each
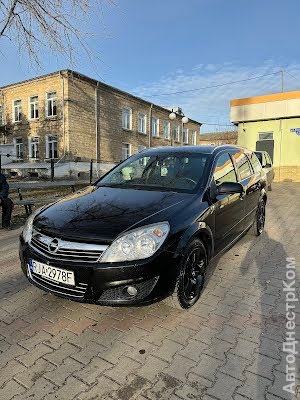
(265, 98)
(96, 83)
(219, 135)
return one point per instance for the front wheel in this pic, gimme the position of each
(190, 280)
(260, 217)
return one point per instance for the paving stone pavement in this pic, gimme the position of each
(228, 346)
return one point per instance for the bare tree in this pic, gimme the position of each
(38, 25)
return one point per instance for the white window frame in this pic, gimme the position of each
(128, 111)
(51, 101)
(48, 142)
(177, 134)
(1, 115)
(185, 130)
(36, 145)
(19, 107)
(129, 150)
(166, 129)
(35, 107)
(194, 138)
(18, 146)
(142, 117)
(155, 124)
(266, 133)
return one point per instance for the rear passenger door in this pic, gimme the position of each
(251, 183)
(229, 208)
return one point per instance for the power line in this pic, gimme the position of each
(213, 86)
(291, 75)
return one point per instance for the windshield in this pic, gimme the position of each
(178, 172)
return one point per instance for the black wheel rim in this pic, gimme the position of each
(194, 274)
(261, 217)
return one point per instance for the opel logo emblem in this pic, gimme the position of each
(53, 246)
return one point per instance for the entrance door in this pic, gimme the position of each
(266, 145)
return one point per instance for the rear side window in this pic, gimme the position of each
(224, 170)
(255, 163)
(243, 165)
(268, 159)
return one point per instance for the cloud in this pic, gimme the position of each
(211, 106)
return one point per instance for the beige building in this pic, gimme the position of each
(271, 123)
(71, 117)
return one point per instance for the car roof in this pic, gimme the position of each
(206, 149)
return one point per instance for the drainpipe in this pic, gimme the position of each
(150, 126)
(280, 149)
(97, 130)
(63, 115)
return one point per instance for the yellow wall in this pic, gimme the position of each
(286, 144)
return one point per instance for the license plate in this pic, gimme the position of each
(52, 273)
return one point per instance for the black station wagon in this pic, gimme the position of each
(148, 228)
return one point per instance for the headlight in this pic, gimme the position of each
(27, 230)
(137, 244)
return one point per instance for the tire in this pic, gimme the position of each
(260, 217)
(191, 277)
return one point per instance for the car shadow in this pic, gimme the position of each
(270, 262)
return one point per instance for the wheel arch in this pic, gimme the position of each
(201, 231)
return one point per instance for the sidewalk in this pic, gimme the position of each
(228, 346)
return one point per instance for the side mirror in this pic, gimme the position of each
(230, 188)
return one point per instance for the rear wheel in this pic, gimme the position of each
(191, 277)
(260, 217)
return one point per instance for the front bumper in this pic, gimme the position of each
(107, 284)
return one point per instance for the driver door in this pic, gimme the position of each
(229, 208)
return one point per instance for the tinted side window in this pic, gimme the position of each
(255, 163)
(243, 164)
(224, 170)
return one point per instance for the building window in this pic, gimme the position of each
(17, 110)
(265, 136)
(177, 133)
(126, 150)
(1, 115)
(194, 138)
(155, 127)
(33, 107)
(34, 147)
(166, 130)
(127, 118)
(51, 146)
(185, 136)
(142, 122)
(19, 148)
(51, 104)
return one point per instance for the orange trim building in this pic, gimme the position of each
(271, 122)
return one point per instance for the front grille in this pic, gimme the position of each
(119, 293)
(75, 292)
(62, 250)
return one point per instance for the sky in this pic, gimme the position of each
(155, 48)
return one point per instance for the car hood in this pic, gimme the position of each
(101, 214)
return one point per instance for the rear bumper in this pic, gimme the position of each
(107, 284)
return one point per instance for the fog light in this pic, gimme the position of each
(132, 291)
